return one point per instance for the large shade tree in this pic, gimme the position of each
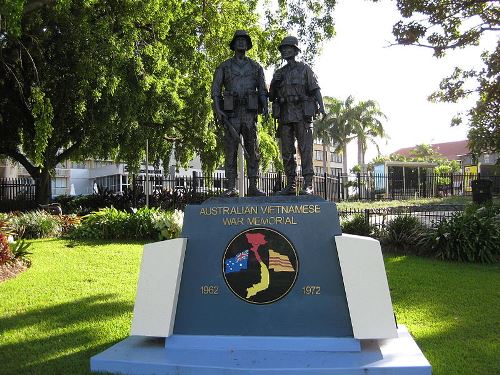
(83, 78)
(450, 25)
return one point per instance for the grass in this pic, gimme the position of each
(71, 304)
(77, 301)
(452, 310)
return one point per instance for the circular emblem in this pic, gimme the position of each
(260, 265)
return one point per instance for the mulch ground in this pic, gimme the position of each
(8, 271)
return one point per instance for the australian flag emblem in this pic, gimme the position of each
(236, 263)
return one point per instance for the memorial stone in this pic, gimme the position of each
(264, 285)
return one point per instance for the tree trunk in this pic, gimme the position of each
(325, 156)
(360, 154)
(344, 159)
(43, 187)
(363, 165)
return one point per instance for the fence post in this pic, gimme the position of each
(195, 181)
(451, 183)
(134, 190)
(358, 175)
(325, 185)
(367, 216)
(338, 187)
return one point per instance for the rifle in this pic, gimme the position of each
(228, 127)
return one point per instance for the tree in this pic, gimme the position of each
(367, 127)
(322, 130)
(86, 79)
(336, 128)
(449, 25)
(422, 151)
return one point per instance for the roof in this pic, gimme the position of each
(449, 150)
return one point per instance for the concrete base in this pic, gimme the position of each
(146, 355)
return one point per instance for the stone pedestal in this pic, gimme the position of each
(267, 286)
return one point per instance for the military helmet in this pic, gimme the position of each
(241, 33)
(290, 41)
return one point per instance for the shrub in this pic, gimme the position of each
(403, 233)
(20, 252)
(357, 225)
(471, 236)
(169, 225)
(5, 252)
(35, 224)
(144, 223)
(68, 223)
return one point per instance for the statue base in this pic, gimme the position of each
(266, 285)
(214, 355)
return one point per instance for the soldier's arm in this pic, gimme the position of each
(319, 100)
(273, 89)
(217, 91)
(314, 90)
(262, 90)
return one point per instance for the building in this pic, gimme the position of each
(86, 177)
(321, 157)
(333, 160)
(459, 151)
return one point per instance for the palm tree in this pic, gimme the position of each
(367, 127)
(344, 116)
(323, 128)
(336, 129)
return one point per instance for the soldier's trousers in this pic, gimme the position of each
(303, 132)
(249, 133)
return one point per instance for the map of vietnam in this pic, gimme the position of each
(257, 239)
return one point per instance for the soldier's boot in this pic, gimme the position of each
(308, 186)
(231, 190)
(290, 188)
(253, 190)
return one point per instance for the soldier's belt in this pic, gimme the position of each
(294, 99)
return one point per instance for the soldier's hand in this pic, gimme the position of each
(221, 116)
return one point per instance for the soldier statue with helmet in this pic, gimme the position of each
(239, 93)
(297, 99)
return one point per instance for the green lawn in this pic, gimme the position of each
(76, 301)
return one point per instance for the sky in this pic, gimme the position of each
(358, 61)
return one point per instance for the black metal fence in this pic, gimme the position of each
(333, 188)
(17, 194)
(372, 186)
(20, 193)
(326, 186)
(380, 217)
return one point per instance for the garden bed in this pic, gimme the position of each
(10, 270)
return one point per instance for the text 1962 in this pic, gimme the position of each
(209, 289)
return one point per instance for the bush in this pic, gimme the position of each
(357, 225)
(35, 224)
(20, 251)
(10, 252)
(5, 252)
(144, 223)
(403, 233)
(471, 236)
(169, 225)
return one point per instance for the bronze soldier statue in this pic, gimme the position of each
(296, 99)
(239, 93)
